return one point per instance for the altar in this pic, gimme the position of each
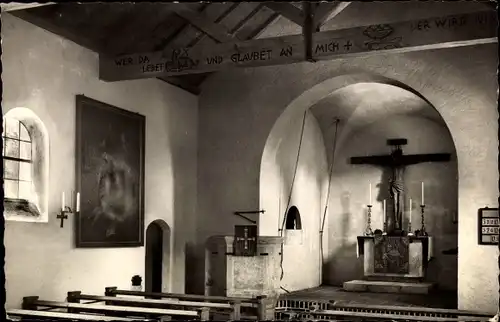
(386, 257)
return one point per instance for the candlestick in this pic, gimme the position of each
(370, 194)
(368, 231)
(423, 232)
(77, 202)
(63, 202)
(409, 221)
(423, 202)
(410, 212)
(384, 218)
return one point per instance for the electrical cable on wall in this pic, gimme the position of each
(290, 197)
(337, 121)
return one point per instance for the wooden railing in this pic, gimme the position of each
(296, 308)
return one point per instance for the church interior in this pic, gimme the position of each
(251, 160)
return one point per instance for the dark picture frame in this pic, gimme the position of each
(110, 150)
(488, 220)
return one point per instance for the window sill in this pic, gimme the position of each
(21, 210)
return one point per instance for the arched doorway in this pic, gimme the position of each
(157, 261)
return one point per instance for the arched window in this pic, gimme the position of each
(293, 219)
(25, 161)
(17, 160)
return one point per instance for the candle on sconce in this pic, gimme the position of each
(423, 203)
(370, 194)
(77, 202)
(63, 201)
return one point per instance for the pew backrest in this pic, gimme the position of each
(32, 303)
(64, 316)
(112, 291)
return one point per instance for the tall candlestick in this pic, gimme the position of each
(370, 194)
(410, 212)
(423, 203)
(384, 214)
(77, 202)
(63, 202)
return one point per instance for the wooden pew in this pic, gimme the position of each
(33, 303)
(232, 309)
(54, 316)
(263, 306)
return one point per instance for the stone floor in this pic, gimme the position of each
(437, 299)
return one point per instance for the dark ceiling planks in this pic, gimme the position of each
(53, 19)
(217, 12)
(189, 32)
(117, 28)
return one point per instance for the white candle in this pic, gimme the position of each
(423, 193)
(77, 202)
(370, 194)
(410, 211)
(63, 202)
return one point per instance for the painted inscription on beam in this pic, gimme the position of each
(422, 34)
(262, 52)
(433, 33)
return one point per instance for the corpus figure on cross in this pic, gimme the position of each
(397, 162)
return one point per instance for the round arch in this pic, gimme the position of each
(294, 110)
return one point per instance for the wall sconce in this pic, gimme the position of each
(65, 210)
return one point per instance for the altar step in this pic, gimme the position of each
(388, 287)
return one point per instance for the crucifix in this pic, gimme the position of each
(62, 216)
(398, 162)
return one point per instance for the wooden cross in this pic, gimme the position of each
(62, 216)
(398, 162)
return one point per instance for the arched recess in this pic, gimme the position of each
(293, 221)
(269, 174)
(157, 259)
(33, 205)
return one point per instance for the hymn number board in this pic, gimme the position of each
(245, 240)
(489, 224)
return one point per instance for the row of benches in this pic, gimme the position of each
(117, 305)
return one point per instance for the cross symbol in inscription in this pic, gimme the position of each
(348, 45)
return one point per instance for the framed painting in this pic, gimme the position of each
(109, 175)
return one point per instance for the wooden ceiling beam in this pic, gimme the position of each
(213, 30)
(287, 10)
(326, 11)
(13, 6)
(409, 36)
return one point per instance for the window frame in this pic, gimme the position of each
(18, 160)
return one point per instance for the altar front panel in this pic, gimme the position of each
(417, 258)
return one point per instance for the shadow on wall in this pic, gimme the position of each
(346, 251)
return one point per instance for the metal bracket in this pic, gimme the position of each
(240, 213)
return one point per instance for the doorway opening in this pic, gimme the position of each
(157, 257)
